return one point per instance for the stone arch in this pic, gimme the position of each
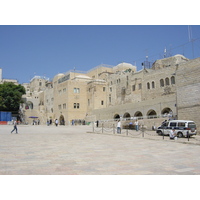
(127, 115)
(29, 105)
(151, 114)
(148, 86)
(116, 116)
(162, 83)
(139, 115)
(166, 110)
(62, 120)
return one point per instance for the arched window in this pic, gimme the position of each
(148, 86)
(29, 105)
(167, 81)
(172, 80)
(151, 114)
(116, 116)
(127, 116)
(139, 115)
(161, 83)
(153, 84)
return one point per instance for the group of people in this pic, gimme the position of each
(36, 122)
(119, 125)
(49, 122)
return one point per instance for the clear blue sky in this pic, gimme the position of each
(26, 51)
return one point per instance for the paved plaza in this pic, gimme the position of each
(75, 150)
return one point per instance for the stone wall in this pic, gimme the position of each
(188, 91)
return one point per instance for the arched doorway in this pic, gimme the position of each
(139, 115)
(127, 116)
(166, 111)
(28, 105)
(62, 120)
(116, 117)
(151, 114)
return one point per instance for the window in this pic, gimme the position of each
(104, 89)
(172, 80)
(148, 86)
(173, 124)
(40, 83)
(161, 83)
(140, 86)
(181, 124)
(102, 102)
(64, 106)
(88, 102)
(110, 89)
(76, 90)
(167, 81)
(153, 84)
(133, 87)
(76, 105)
(109, 99)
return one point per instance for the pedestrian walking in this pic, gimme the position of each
(119, 126)
(15, 127)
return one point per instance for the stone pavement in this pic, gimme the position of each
(68, 150)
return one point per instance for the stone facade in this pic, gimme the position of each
(110, 92)
(7, 80)
(188, 90)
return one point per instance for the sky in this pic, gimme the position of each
(46, 50)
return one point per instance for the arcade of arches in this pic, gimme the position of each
(150, 114)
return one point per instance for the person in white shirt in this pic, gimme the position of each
(136, 125)
(172, 134)
(119, 126)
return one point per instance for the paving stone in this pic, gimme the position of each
(72, 150)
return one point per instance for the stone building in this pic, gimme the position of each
(112, 92)
(7, 80)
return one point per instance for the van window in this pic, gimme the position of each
(172, 124)
(181, 124)
(191, 125)
(165, 123)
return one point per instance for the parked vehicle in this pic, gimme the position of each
(182, 128)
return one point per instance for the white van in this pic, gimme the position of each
(182, 128)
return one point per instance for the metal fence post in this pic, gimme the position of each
(188, 135)
(113, 129)
(142, 130)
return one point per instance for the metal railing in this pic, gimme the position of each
(142, 133)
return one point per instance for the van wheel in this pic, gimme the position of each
(160, 133)
(179, 134)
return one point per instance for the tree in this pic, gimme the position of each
(10, 96)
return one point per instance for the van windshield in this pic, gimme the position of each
(191, 125)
